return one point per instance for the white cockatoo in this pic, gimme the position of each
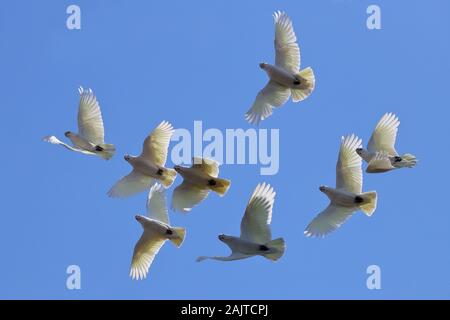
(347, 197)
(157, 230)
(286, 78)
(381, 155)
(198, 180)
(256, 237)
(90, 137)
(149, 166)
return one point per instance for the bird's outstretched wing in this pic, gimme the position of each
(129, 185)
(272, 95)
(255, 225)
(55, 140)
(144, 253)
(348, 167)
(187, 195)
(157, 204)
(327, 221)
(90, 123)
(156, 144)
(384, 136)
(287, 52)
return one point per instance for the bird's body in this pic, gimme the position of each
(285, 77)
(381, 155)
(256, 236)
(343, 198)
(156, 231)
(368, 156)
(347, 197)
(379, 162)
(90, 138)
(198, 181)
(193, 176)
(148, 167)
(280, 76)
(158, 228)
(81, 143)
(247, 247)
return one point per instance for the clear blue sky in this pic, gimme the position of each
(198, 60)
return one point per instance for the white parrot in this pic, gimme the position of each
(286, 78)
(90, 137)
(256, 237)
(347, 197)
(198, 180)
(148, 166)
(381, 155)
(157, 230)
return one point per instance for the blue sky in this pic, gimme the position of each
(198, 60)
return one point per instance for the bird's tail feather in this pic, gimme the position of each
(370, 202)
(220, 185)
(408, 160)
(168, 177)
(107, 151)
(180, 233)
(279, 246)
(304, 90)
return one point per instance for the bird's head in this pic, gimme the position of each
(222, 237)
(143, 220)
(323, 188)
(127, 157)
(263, 65)
(68, 134)
(139, 218)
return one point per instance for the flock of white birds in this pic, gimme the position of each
(150, 173)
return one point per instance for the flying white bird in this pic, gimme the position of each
(347, 197)
(198, 180)
(381, 155)
(157, 230)
(149, 166)
(90, 137)
(256, 237)
(286, 78)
